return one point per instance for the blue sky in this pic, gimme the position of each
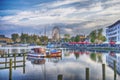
(71, 16)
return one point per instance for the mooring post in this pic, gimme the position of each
(60, 77)
(10, 69)
(23, 59)
(87, 74)
(103, 71)
(115, 70)
(14, 60)
(23, 63)
(8, 53)
(5, 60)
(23, 69)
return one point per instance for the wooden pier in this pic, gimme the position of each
(13, 61)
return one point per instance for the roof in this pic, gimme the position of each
(118, 22)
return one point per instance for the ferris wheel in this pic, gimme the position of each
(56, 34)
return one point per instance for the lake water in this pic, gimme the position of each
(71, 65)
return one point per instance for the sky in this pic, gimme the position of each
(71, 16)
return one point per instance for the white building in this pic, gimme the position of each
(110, 58)
(113, 32)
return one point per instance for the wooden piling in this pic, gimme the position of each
(19, 54)
(5, 60)
(60, 77)
(115, 70)
(23, 69)
(23, 59)
(103, 71)
(2, 55)
(87, 73)
(10, 69)
(14, 60)
(8, 53)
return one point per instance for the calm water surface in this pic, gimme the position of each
(71, 65)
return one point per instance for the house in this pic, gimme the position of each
(4, 39)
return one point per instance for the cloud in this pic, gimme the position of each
(57, 3)
(76, 15)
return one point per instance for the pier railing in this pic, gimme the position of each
(13, 61)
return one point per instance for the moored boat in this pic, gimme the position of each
(54, 53)
(36, 53)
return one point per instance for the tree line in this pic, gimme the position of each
(32, 39)
(95, 36)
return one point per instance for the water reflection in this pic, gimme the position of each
(72, 65)
(110, 58)
(38, 61)
(96, 57)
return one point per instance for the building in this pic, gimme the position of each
(113, 32)
(111, 57)
(4, 39)
(82, 37)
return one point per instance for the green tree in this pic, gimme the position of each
(93, 36)
(15, 36)
(72, 39)
(24, 38)
(97, 35)
(44, 39)
(66, 37)
(77, 38)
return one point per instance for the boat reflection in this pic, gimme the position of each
(36, 60)
(55, 59)
(41, 61)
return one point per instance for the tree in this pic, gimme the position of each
(92, 36)
(77, 38)
(72, 39)
(66, 37)
(15, 36)
(24, 38)
(44, 39)
(97, 35)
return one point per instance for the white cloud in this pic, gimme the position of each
(53, 12)
(90, 25)
(96, 7)
(58, 3)
(68, 30)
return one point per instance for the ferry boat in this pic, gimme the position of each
(37, 53)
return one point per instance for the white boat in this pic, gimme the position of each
(37, 53)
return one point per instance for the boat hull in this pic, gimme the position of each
(35, 55)
(55, 54)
